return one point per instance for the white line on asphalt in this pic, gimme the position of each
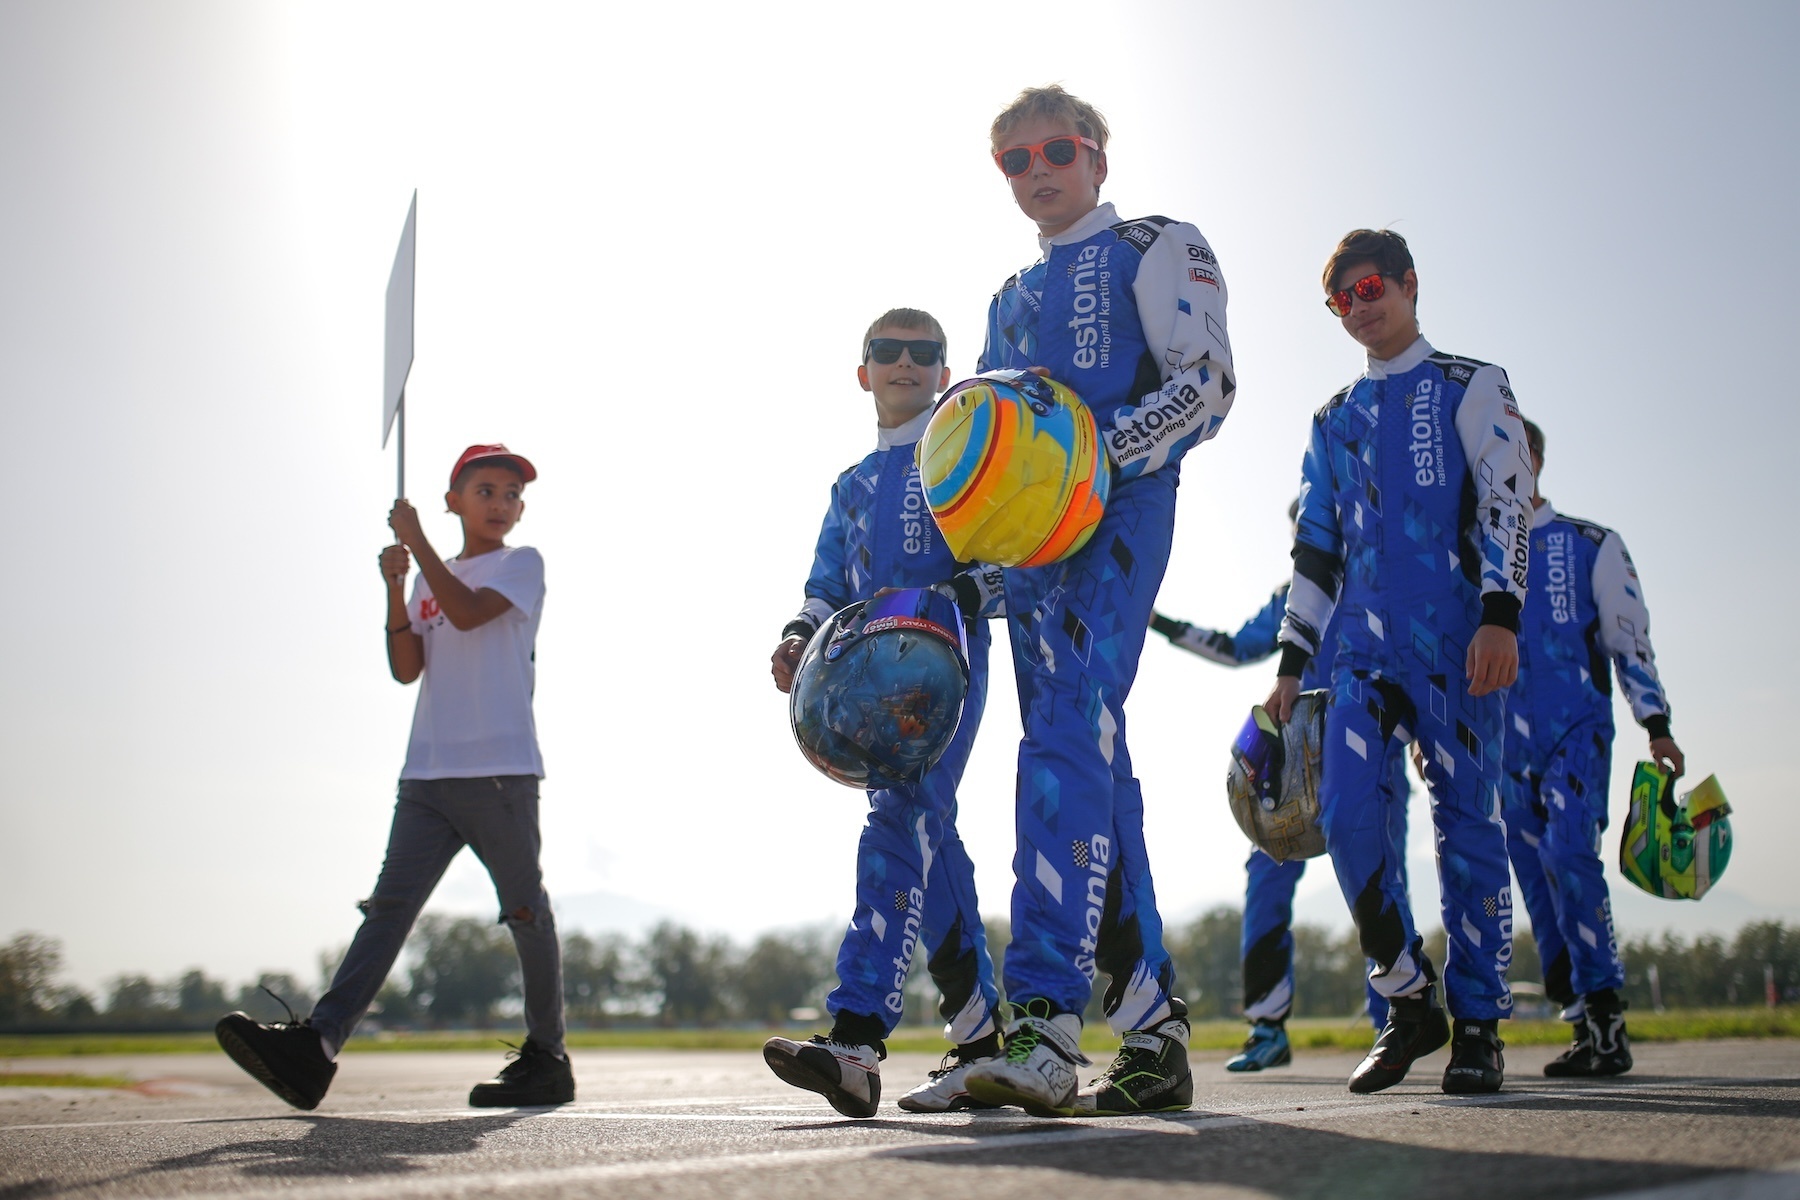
(1346, 1103)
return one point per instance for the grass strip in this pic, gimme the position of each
(1306, 1033)
(40, 1079)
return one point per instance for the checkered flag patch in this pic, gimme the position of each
(1081, 854)
(1489, 906)
(900, 901)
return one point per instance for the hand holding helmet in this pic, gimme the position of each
(879, 689)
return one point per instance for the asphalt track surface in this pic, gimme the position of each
(1694, 1120)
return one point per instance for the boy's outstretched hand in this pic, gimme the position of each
(396, 564)
(404, 521)
(784, 660)
(1493, 660)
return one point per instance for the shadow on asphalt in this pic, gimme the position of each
(331, 1146)
(1310, 1164)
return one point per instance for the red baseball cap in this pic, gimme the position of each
(475, 454)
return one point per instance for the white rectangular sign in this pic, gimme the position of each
(399, 354)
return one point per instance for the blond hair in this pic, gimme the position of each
(1053, 103)
(905, 318)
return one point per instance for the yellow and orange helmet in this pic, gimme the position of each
(1013, 470)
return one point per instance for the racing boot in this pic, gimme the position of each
(1476, 1064)
(1605, 1023)
(1416, 1026)
(1149, 1074)
(1267, 1046)
(1578, 1059)
(287, 1057)
(945, 1089)
(847, 1074)
(1036, 1067)
(534, 1077)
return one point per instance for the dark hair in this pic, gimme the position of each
(1534, 439)
(1383, 247)
(499, 460)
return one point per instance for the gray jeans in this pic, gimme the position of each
(433, 820)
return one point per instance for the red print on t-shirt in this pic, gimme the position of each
(428, 608)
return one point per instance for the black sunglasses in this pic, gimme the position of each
(886, 351)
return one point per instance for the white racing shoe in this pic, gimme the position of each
(848, 1076)
(1036, 1067)
(946, 1088)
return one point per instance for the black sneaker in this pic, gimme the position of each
(1578, 1059)
(533, 1078)
(1149, 1074)
(1605, 1024)
(1416, 1026)
(286, 1057)
(1476, 1064)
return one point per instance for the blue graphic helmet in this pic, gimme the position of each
(879, 689)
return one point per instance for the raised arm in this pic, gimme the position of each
(1253, 642)
(464, 607)
(405, 648)
(1180, 298)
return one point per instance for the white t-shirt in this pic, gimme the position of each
(474, 715)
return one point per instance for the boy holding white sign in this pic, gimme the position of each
(471, 778)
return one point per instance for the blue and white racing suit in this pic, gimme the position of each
(1585, 617)
(1131, 315)
(1266, 948)
(914, 880)
(1415, 499)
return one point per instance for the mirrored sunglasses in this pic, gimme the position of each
(1057, 152)
(1366, 289)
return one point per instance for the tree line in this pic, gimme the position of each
(461, 972)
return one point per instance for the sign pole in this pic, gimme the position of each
(400, 445)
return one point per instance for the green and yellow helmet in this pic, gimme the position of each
(1675, 849)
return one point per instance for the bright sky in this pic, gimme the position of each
(649, 239)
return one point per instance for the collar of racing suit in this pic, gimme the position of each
(1542, 515)
(903, 435)
(1101, 218)
(1401, 363)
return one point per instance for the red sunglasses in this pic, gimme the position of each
(1057, 152)
(1366, 289)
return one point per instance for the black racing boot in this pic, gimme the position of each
(1605, 1023)
(1578, 1059)
(1416, 1026)
(1476, 1064)
(1149, 1074)
(533, 1078)
(286, 1057)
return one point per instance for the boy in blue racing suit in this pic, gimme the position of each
(914, 881)
(1131, 316)
(1266, 946)
(1415, 499)
(1584, 617)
